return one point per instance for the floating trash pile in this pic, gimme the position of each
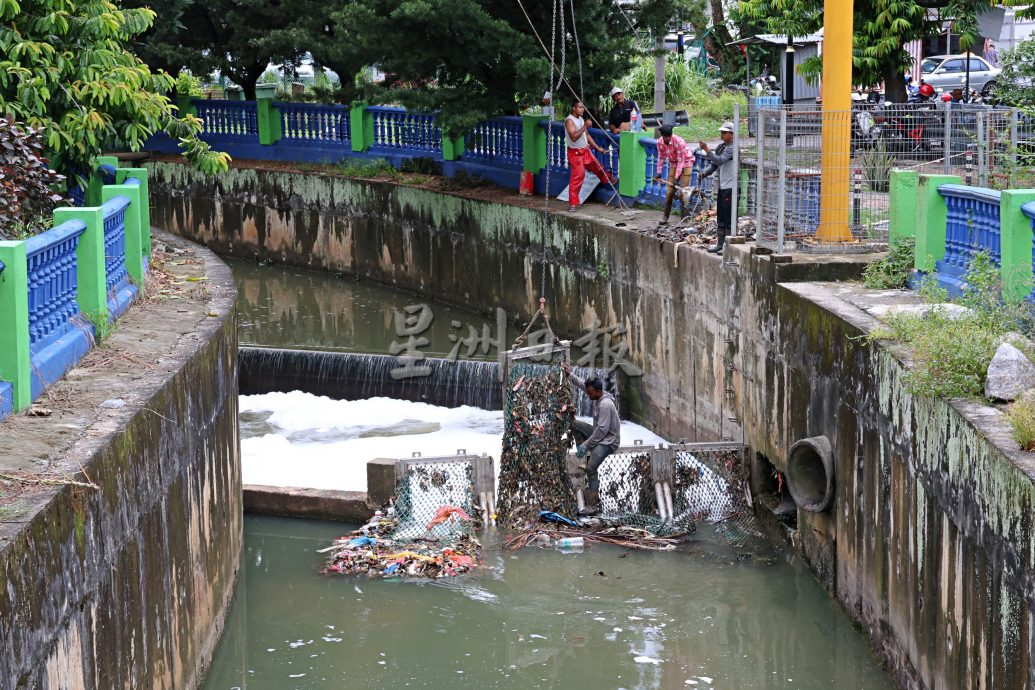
(426, 531)
(620, 530)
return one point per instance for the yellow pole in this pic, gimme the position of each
(836, 158)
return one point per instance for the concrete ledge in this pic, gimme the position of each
(321, 504)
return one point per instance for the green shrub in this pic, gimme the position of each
(876, 164)
(893, 271)
(952, 351)
(378, 167)
(1022, 418)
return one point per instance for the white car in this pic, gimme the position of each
(948, 72)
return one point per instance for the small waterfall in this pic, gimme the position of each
(355, 376)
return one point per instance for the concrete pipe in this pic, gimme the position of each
(810, 473)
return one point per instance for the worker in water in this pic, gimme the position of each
(580, 157)
(721, 160)
(672, 149)
(604, 440)
(622, 112)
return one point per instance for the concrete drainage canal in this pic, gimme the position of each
(723, 608)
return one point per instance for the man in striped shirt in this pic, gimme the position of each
(675, 151)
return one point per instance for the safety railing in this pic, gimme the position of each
(397, 128)
(303, 123)
(1028, 210)
(60, 286)
(972, 226)
(231, 120)
(53, 285)
(500, 140)
(557, 153)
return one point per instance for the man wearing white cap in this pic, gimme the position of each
(621, 114)
(548, 104)
(721, 159)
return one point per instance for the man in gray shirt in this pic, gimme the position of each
(606, 437)
(721, 159)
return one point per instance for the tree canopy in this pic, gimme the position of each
(66, 72)
(882, 29)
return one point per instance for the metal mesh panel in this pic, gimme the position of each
(781, 196)
(625, 483)
(425, 487)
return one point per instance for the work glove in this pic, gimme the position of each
(580, 451)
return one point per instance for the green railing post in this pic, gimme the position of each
(452, 147)
(902, 218)
(144, 209)
(361, 127)
(270, 130)
(14, 322)
(134, 251)
(1015, 240)
(632, 163)
(931, 216)
(94, 181)
(185, 105)
(92, 272)
(533, 142)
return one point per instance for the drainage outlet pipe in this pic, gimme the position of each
(810, 474)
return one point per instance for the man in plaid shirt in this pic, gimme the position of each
(680, 158)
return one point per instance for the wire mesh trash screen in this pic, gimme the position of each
(538, 416)
(427, 530)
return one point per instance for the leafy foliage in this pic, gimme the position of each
(877, 164)
(882, 29)
(952, 350)
(1016, 85)
(66, 72)
(893, 271)
(27, 183)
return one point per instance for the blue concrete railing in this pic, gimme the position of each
(557, 156)
(653, 193)
(494, 150)
(498, 141)
(58, 334)
(230, 120)
(972, 226)
(309, 123)
(6, 390)
(398, 130)
(60, 286)
(117, 283)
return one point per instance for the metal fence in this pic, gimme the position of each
(781, 162)
(424, 485)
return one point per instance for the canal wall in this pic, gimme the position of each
(928, 543)
(123, 579)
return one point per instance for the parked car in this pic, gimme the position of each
(948, 72)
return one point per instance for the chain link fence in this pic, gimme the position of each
(424, 485)
(780, 195)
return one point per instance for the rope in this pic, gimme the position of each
(578, 48)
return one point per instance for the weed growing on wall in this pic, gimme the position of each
(952, 348)
(1022, 418)
(893, 270)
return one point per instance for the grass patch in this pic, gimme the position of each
(951, 350)
(893, 271)
(1022, 418)
(377, 167)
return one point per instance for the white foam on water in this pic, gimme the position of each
(315, 442)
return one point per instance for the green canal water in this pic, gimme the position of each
(538, 618)
(283, 306)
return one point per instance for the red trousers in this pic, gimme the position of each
(578, 161)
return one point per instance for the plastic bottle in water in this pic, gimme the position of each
(570, 544)
(634, 121)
